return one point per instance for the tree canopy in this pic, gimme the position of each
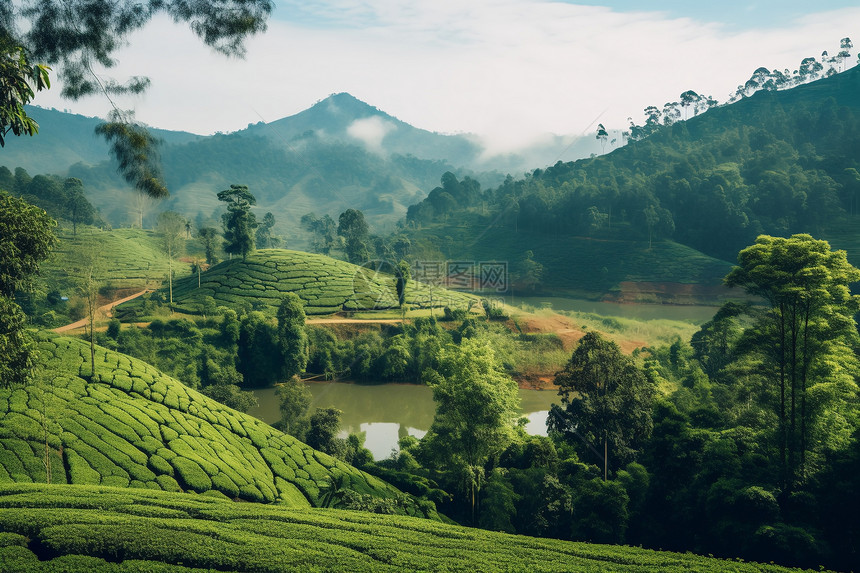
(476, 407)
(292, 337)
(607, 401)
(20, 80)
(26, 239)
(239, 222)
(354, 230)
(804, 339)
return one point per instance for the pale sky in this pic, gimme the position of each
(507, 70)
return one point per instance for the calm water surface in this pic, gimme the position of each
(385, 412)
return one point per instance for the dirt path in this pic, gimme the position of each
(567, 331)
(562, 326)
(354, 321)
(104, 310)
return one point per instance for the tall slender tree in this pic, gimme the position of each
(239, 222)
(79, 210)
(804, 337)
(265, 239)
(292, 338)
(208, 237)
(171, 225)
(476, 407)
(353, 228)
(26, 239)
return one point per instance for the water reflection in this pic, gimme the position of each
(386, 412)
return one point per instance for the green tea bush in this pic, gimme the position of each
(101, 433)
(98, 528)
(325, 285)
(191, 474)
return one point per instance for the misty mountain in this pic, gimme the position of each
(343, 118)
(340, 153)
(65, 139)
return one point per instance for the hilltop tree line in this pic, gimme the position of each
(61, 198)
(809, 69)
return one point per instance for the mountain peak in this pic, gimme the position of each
(347, 106)
(332, 117)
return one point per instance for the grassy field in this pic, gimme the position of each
(580, 265)
(132, 426)
(85, 528)
(325, 285)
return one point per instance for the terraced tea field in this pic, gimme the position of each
(325, 285)
(132, 426)
(79, 528)
(130, 258)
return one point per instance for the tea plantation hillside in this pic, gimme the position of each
(325, 285)
(132, 426)
(85, 528)
(128, 258)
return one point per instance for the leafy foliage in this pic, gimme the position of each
(20, 80)
(607, 401)
(476, 407)
(16, 348)
(26, 239)
(353, 228)
(804, 344)
(136, 152)
(777, 163)
(239, 222)
(292, 337)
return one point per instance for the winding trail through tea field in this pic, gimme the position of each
(104, 309)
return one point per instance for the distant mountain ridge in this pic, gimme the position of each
(345, 118)
(65, 139)
(340, 153)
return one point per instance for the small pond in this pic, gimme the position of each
(385, 412)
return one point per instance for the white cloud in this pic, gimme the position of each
(371, 131)
(505, 69)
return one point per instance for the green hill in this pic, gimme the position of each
(340, 153)
(778, 163)
(74, 529)
(665, 271)
(65, 139)
(128, 258)
(132, 426)
(325, 285)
